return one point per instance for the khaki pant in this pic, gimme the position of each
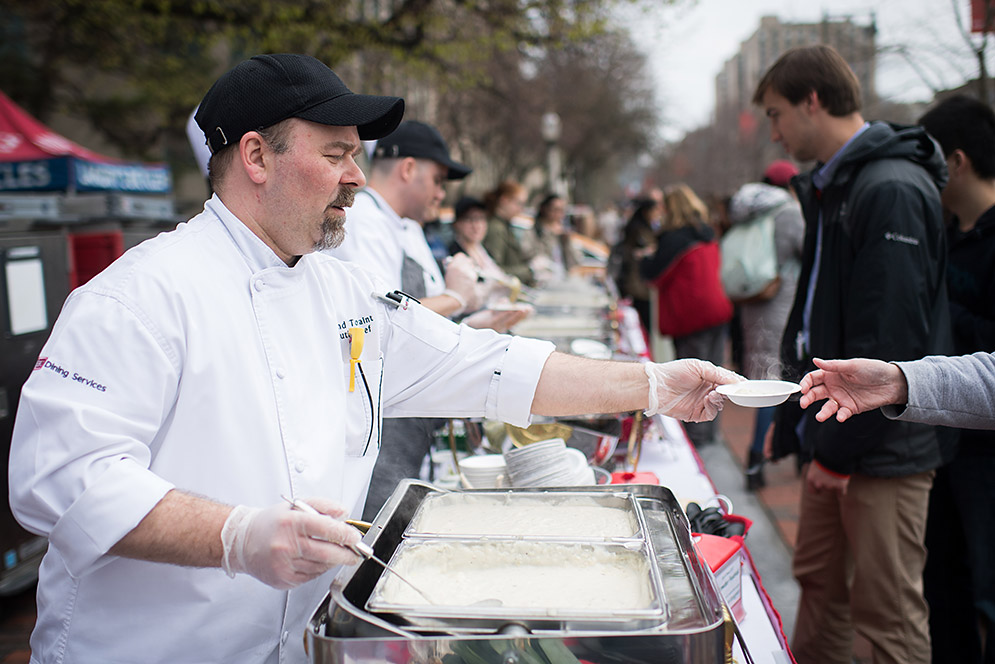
(859, 560)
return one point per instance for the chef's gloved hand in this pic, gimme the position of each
(461, 281)
(284, 547)
(685, 389)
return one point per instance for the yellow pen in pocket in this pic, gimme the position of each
(356, 338)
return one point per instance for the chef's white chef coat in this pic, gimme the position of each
(201, 361)
(389, 245)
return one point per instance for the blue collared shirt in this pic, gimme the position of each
(822, 176)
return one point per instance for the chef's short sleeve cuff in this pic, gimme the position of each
(514, 382)
(109, 509)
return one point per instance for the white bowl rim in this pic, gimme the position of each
(483, 462)
(777, 388)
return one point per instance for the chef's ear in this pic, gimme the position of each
(408, 168)
(255, 156)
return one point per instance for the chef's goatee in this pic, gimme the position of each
(333, 225)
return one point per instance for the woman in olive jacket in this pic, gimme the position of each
(504, 203)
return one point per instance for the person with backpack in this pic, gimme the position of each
(768, 212)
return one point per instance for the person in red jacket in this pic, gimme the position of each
(692, 306)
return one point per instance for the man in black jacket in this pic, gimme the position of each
(872, 285)
(960, 533)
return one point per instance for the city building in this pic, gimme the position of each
(735, 84)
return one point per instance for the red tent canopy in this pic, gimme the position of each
(35, 158)
(22, 138)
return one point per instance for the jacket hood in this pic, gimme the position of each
(884, 140)
(754, 199)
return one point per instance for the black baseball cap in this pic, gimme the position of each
(421, 141)
(465, 204)
(265, 89)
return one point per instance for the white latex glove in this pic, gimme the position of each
(284, 547)
(499, 320)
(685, 389)
(461, 278)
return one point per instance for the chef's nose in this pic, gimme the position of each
(353, 175)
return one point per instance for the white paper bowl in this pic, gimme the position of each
(758, 393)
(485, 462)
(486, 471)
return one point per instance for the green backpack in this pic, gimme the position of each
(749, 256)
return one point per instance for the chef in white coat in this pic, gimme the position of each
(384, 233)
(215, 367)
(384, 227)
(408, 170)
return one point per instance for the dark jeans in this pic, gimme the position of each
(959, 579)
(642, 308)
(708, 345)
(762, 422)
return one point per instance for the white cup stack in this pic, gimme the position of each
(483, 471)
(548, 463)
(583, 474)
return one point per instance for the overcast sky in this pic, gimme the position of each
(687, 46)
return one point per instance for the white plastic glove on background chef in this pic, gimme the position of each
(499, 321)
(461, 279)
(284, 547)
(685, 389)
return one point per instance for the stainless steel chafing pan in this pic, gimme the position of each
(488, 584)
(503, 513)
(683, 622)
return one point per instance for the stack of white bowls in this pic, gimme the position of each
(583, 474)
(483, 471)
(548, 463)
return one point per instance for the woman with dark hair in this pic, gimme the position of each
(469, 230)
(552, 247)
(638, 241)
(504, 203)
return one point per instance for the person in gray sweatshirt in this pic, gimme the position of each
(949, 391)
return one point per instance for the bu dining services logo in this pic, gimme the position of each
(45, 363)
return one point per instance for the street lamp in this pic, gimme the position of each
(551, 128)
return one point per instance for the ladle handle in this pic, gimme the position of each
(361, 549)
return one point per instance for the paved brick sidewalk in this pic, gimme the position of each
(781, 495)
